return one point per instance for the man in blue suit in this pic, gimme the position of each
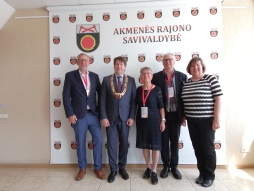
(117, 113)
(79, 99)
(171, 81)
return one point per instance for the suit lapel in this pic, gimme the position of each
(79, 80)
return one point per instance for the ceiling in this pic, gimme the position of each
(34, 4)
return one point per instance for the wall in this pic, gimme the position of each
(24, 86)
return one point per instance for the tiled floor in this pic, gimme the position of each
(62, 179)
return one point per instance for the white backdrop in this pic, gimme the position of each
(141, 32)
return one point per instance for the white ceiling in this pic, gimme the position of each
(33, 4)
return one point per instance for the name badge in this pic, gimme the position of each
(144, 112)
(171, 92)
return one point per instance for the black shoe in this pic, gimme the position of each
(199, 179)
(111, 176)
(147, 173)
(164, 172)
(123, 173)
(176, 173)
(154, 178)
(206, 183)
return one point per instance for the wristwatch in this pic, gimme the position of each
(163, 119)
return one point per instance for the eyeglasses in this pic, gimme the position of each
(146, 73)
(167, 60)
(83, 60)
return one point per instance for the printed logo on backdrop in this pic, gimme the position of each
(213, 10)
(107, 59)
(89, 17)
(214, 55)
(159, 57)
(88, 37)
(125, 56)
(57, 81)
(140, 14)
(216, 75)
(123, 16)
(158, 14)
(57, 124)
(141, 57)
(90, 145)
(178, 56)
(72, 18)
(217, 145)
(91, 59)
(74, 145)
(57, 102)
(56, 60)
(180, 144)
(214, 32)
(56, 39)
(176, 12)
(194, 11)
(106, 16)
(195, 54)
(55, 19)
(73, 60)
(57, 145)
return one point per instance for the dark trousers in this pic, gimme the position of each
(170, 140)
(202, 136)
(117, 129)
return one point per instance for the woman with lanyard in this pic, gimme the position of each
(150, 122)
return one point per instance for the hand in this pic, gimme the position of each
(184, 122)
(216, 124)
(72, 119)
(105, 123)
(162, 126)
(130, 122)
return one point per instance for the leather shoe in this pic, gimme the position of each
(81, 174)
(164, 172)
(111, 176)
(199, 179)
(100, 174)
(154, 178)
(206, 183)
(147, 173)
(123, 173)
(176, 173)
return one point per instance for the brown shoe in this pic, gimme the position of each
(81, 174)
(100, 174)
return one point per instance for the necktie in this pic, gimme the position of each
(119, 84)
(85, 80)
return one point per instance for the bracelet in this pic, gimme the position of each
(163, 119)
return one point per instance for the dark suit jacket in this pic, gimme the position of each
(159, 80)
(112, 108)
(75, 99)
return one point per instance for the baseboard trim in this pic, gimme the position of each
(107, 166)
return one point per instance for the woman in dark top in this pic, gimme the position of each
(150, 122)
(201, 96)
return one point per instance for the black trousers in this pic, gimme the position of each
(170, 140)
(202, 136)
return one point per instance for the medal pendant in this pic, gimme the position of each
(118, 96)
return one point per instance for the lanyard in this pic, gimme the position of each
(169, 79)
(85, 80)
(144, 98)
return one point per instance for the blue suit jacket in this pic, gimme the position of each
(159, 80)
(112, 108)
(75, 99)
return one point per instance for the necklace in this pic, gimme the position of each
(118, 95)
